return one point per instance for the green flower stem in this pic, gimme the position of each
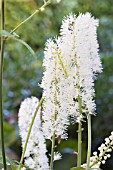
(53, 137)
(63, 67)
(1, 77)
(80, 110)
(52, 151)
(89, 142)
(79, 157)
(27, 19)
(29, 131)
(79, 134)
(79, 144)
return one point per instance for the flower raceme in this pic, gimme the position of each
(35, 155)
(71, 63)
(81, 57)
(104, 153)
(53, 83)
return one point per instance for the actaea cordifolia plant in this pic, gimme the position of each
(71, 65)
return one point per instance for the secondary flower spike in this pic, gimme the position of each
(104, 152)
(53, 83)
(35, 155)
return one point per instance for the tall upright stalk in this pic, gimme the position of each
(53, 137)
(89, 142)
(1, 77)
(79, 144)
(79, 135)
(53, 145)
(52, 151)
(80, 112)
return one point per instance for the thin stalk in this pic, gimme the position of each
(28, 134)
(89, 142)
(1, 77)
(79, 144)
(53, 142)
(63, 67)
(27, 19)
(79, 157)
(79, 134)
(53, 137)
(52, 151)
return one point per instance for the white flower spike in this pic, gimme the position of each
(35, 155)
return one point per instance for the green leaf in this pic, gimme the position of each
(16, 36)
(8, 34)
(77, 168)
(5, 33)
(13, 166)
(27, 46)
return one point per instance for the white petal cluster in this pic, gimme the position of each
(57, 156)
(35, 155)
(53, 83)
(104, 150)
(104, 153)
(71, 63)
(80, 54)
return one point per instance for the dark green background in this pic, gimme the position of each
(22, 72)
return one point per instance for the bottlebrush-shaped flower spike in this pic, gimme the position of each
(80, 54)
(35, 155)
(102, 154)
(54, 84)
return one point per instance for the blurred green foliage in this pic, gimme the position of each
(22, 73)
